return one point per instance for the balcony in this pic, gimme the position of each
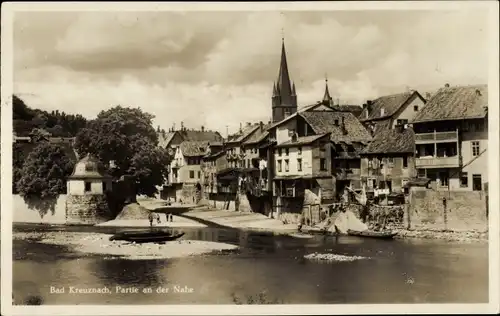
(175, 164)
(437, 162)
(346, 155)
(436, 137)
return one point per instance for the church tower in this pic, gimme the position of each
(327, 99)
(284, 99)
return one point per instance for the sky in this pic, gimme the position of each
(216, 69)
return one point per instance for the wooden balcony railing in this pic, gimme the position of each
(422, 138)
(438, 162)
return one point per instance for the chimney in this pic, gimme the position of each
(382, 112)
(241, 127)
(182, 126)
(202, 128)
(447, 85)
(249, 124)
(428, 95)
(344, 130)
(261, 124)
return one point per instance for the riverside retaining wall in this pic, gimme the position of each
(48, 211)
(464, 211)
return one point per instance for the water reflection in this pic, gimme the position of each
(441, 271)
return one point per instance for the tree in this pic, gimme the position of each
(45, 171)
(127, 137)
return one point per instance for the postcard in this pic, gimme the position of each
(249, 158)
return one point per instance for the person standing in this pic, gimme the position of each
(150, 217)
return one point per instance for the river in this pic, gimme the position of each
(397, 271)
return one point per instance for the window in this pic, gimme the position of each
(199, 174)
(103, 186)
(322, 164)
(421, 173)
(191, 174)
(279, 165)
(299, 164)
(88, 186)
(475, 148)
(464, 180)
(299, 150)
(401, 121)
(405, 162)
(390, 162)
(287, 165)
(287, 151)
(477, 182)
(443, 178)
(279, 152)
(415, 108)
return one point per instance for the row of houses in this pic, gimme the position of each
(318, 150)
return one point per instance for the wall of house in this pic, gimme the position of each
(282, 131)
(46, 211)
(465, 211)
(396, 173)
(480, 164)
(293, 154)
(185, 174)
(317, 155)
(408, 113)
(77, 187)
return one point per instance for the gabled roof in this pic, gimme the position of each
(244, 134)
(192, 135)
(392, 141)
(389, 103)
(164, 141)
(258, 136)
(331, 122)
(455, 103)
(354, 109)
(306, 108)
(305, 140)
(194, 148)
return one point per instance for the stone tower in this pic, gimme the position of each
(284, 99)
(87, 188)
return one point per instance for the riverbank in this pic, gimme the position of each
(99, 244)
(459, 236)
(240, 220)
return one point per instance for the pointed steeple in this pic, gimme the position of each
(283, 82)
(326, 96)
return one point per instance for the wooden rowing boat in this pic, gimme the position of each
(145, 237)
(372, 234)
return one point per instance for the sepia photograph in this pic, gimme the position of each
(274, 157)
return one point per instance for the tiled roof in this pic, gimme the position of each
(192, 135)
(305, 140)
(392, 141)
(306, 108)
(331, 122)
(453, 103)
(354, 109)
(194, 148)
(164, 141)
(258, 136)
(389, 103)
(244, 134)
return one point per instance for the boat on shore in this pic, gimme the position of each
(146, 237)
(372, 234)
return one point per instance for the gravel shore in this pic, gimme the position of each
(100, 244)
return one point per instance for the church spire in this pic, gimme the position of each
(326, 96)
(284, 99)
(283, 83)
